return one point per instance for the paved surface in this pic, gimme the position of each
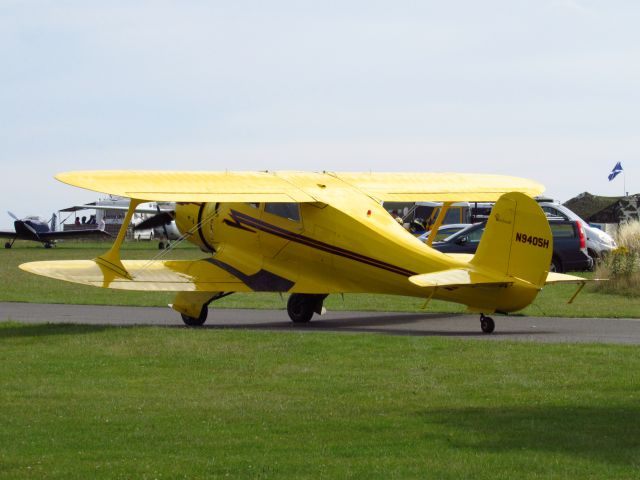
(542, 329)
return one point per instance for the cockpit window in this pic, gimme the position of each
(290, 211)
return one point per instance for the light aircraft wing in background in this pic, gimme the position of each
(37, 230)
(123, 208)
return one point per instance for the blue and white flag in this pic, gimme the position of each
(616, 170)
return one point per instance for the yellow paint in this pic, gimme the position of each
(111, 259)
(438, 223)
(342, 241)
(297, 186)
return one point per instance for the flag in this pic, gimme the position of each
(616, 170)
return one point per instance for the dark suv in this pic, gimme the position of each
(569, 244)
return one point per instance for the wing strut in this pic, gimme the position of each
(439, 219)
(111, 259)
(577, 292)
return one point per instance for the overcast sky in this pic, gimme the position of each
(543, 89)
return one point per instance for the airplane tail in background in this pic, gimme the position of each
(517, 241)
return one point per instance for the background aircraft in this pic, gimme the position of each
(315, 234)
(157, 218)
(38, 230)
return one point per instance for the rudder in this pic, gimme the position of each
(517, 240)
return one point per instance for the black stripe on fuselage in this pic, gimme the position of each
(200, 232)
(262, 281)
(310, 242)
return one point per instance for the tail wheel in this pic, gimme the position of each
(300, 307)
(487, 324)
(196, 321)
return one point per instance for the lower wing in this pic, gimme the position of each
(160, 275)
(7, 234)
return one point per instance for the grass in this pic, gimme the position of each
(99, 402)
(19, 286)
(622, 265)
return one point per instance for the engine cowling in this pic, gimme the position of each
(212, 225)
(196, 221)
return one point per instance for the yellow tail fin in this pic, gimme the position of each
(517, 241)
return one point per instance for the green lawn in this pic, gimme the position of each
(19, 286)
(85, 402)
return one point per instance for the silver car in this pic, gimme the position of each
(598, 242)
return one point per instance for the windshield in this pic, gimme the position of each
(465, 231)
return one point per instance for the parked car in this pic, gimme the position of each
(569, 244)
(598, 242)
(444, 231)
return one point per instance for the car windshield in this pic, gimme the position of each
(461, 233)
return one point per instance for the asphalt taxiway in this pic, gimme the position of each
(541, 329)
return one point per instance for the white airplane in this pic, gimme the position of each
(156, 217)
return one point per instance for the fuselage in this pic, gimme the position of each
(26, 228)
(314, 248)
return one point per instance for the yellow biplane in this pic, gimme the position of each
(315, 234)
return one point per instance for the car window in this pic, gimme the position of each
(476, 235)
(461, 233)
(453, 215)
(562, 230)
(444, 233)
(554, 212)
(290, 211)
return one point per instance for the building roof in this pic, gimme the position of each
(587, 205)
(595, 208)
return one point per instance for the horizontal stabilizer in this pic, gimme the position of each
(458, 277)
(554, 277)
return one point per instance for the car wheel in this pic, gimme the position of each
(556, 265)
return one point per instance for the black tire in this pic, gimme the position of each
(300, 308)
(7, 245)
(487, 324)
(48, 245)
(160, 245)
(195, 321)
(556, 265)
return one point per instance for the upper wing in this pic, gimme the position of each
(189, 186)
(441, 187)
(298, 186)
(77, 208)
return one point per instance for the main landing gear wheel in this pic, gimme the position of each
(487, 324)
(196, 321)
(7, 245)
(300, 307)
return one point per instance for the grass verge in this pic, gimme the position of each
(99, 402)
